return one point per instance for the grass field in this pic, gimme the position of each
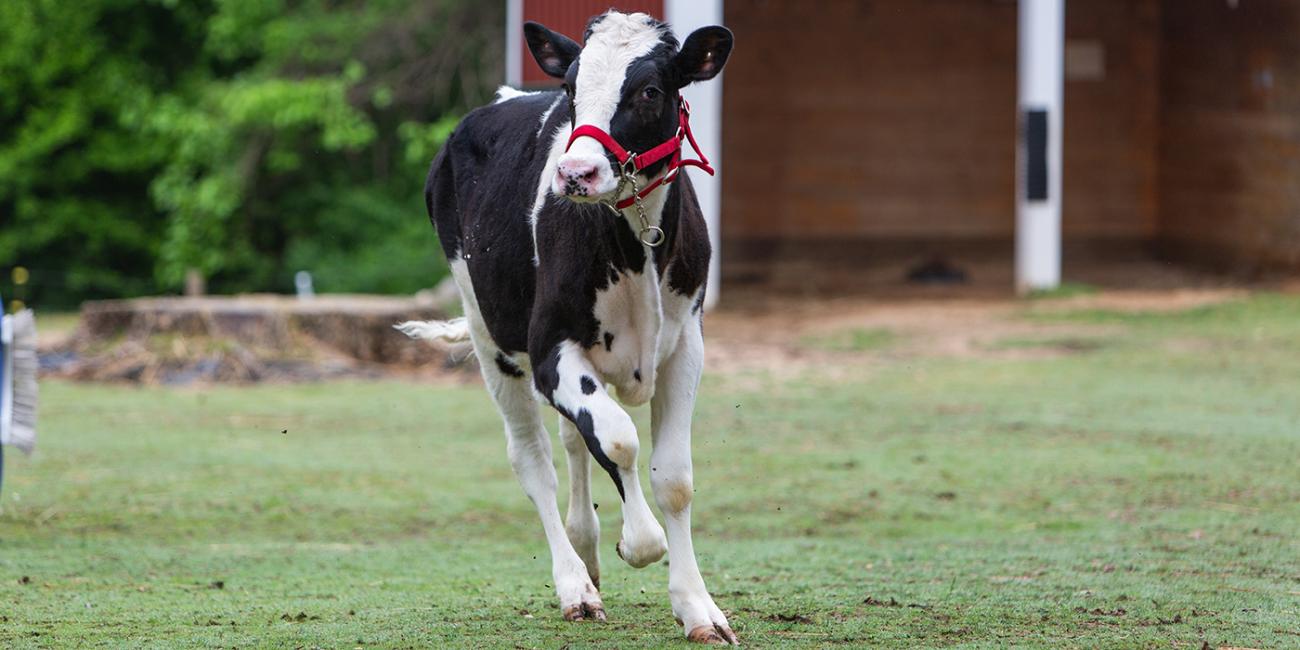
(1142, 491)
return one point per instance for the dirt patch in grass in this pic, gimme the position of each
(789, 334)
(1145, 301)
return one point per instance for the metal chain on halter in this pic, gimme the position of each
(650, 235)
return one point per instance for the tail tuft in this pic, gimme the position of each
(455, 330)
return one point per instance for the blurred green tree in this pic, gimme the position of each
(247, 139)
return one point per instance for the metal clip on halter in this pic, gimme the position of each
(650, 235)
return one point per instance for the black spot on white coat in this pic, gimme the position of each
(508, 367)
(546, 374)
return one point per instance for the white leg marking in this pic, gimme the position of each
(671, 478)
(581, 523)
(643, 538)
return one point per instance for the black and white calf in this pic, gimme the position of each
(573, 285)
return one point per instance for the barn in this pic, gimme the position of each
(1023, 138)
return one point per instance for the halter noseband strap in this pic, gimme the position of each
(630, 164)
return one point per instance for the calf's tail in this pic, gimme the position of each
(455, 330)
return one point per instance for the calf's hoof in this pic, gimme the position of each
(704, 622)
(579, 600)
(585, 612)
(713, 635)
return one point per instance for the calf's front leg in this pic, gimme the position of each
(673, 484)
(566, 377)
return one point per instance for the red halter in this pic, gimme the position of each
(631, 163)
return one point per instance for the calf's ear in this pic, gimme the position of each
(703, 54)
(554, 52)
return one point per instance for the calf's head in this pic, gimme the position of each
(624, 80)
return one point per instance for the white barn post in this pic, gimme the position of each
(705, 98)
(1038, 154)
(514, 43)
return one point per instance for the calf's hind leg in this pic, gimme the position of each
(581, 523)
(529, 447)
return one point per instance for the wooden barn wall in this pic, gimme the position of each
(890, 118)
(895, 119)
(1111, 175)
(1230, 133)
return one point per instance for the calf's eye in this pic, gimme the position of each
(651, 92)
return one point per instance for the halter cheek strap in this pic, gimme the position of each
(631, 164)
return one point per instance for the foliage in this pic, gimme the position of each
(247, 139)
(1142, 494)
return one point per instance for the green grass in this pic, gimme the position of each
(1058, 343)
(1065, 290)
(854, 340)
(1144, 494)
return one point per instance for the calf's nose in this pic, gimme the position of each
(577, 171)
(582, 175)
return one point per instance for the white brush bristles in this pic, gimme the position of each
(19, 395)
